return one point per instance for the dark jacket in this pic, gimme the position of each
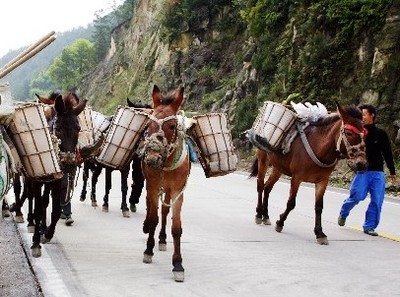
(378, 149)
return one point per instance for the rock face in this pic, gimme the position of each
(213, 55)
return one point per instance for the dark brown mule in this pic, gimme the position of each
(338, 135)
(65, 126)
(166, 168)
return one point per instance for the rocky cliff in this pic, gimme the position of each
(213, 54)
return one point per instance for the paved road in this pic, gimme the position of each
(224, 252)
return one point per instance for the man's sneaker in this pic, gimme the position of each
(69, 221)
(63, 216)
(341, 221)
(371, 232)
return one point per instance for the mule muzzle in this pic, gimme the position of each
(358, 164)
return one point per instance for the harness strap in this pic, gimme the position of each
(309, 150)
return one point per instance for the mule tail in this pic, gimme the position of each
(254, 168)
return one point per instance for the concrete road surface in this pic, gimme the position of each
(224, 252)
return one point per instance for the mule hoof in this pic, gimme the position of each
(36, 252)
(147, 259)
(278, 228)
(82, 198)
(132, 206)
(94, 203)
(19, 219)
(258, 220)
(31, 229)
(104, 208)
(323, 241)
(179, 276)
(45, 240)
(266, 221)
(162, 247)
(5, 213)
(125, 213)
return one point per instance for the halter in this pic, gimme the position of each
(341, 139)
(158, 140)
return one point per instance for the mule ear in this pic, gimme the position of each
(178, 99)
(129, 102)
(156, 95)
(80, 107)
(44, 100)
(339, 108)
(59, 105)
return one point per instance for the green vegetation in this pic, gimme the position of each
(73, 63)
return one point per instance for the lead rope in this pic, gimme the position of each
(161, 193)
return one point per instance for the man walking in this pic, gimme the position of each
(378, 150)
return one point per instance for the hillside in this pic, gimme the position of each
(20, 78)
(325, 51)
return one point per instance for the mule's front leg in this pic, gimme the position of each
(162, 237)
(290, 205)
(150, 223)
(319, 205)
(179, 272)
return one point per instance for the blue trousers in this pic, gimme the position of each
(372, 182)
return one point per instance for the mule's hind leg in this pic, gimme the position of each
(269, 184)
(108, 188)
(319, 205)
(124, 191)
(85, 177)
(290, 205)
(162, 237)
(36, 248)
(260, 168)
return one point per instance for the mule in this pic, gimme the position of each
(166, 168)
(337, 135)
(137, 178)
(65, 126)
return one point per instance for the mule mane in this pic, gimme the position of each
(69, 99)
(351, 110)
(167, 99)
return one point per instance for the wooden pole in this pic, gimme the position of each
(27, 54)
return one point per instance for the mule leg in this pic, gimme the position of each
(162, 237)
(58, 194)
(85, 177)
(176, 231)
(151, 222)
(95, 177)
(30, 194)
(108, 188)
(36, 248)
(262, 166)
(137, 183)
(19, 199)
(291, 204)
(272, 179)
(124, 191)
(319, 205)
(45, 204)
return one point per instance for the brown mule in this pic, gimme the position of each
(338, 135)
(166, 168)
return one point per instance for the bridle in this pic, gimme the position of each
(341, 139)
(159, 142)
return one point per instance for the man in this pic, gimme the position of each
(378, 150)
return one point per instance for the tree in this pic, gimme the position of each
(74, 62)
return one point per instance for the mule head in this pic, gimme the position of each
(137, 104)
(351, 138)
(163, 129)
(66, 124)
